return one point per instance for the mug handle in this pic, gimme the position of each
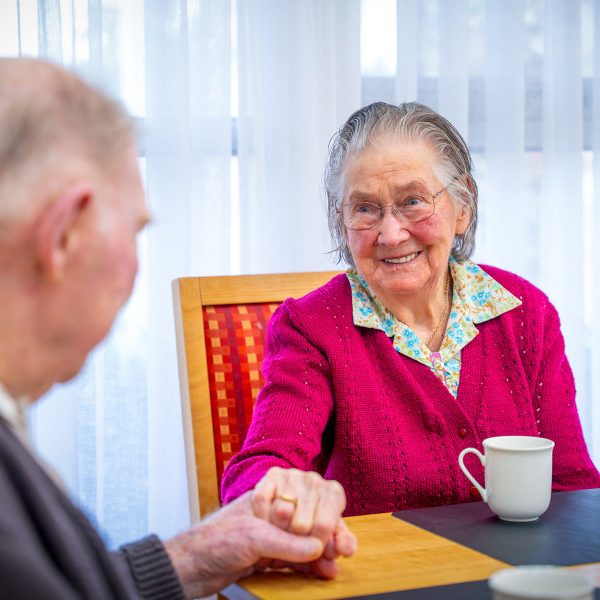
(464, 469)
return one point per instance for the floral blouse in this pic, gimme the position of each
(476, 298)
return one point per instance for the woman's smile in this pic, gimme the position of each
(401, 260)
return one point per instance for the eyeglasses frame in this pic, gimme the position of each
(392, 206)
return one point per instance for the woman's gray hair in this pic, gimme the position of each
(409, 121)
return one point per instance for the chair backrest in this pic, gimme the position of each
(220, 329)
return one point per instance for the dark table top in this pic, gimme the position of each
(568, 533)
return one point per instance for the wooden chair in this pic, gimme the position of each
(220, 329)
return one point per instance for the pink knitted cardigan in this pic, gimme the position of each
(338, 399)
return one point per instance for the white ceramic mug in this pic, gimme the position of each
(542, 583)
(518, 475)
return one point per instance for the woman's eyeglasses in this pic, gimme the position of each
(366, 215)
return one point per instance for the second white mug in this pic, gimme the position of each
(518, 475)
(543, 582)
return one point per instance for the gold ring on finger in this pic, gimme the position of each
(286, 498)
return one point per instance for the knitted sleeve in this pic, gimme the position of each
(149, 565)
(556, 413)
(291, 412)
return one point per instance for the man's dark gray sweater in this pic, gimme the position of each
(49, 549)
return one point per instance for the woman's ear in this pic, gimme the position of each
(56, 228)
(462, 220)
(464, 215)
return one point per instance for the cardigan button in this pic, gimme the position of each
(463, 433)
(473, 492)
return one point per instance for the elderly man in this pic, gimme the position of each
(71, 204)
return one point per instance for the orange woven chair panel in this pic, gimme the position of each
(235, 347)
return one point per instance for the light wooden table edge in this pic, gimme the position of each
(418, 548)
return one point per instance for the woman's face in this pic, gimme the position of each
(400, 259)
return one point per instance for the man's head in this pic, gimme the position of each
(71, 204)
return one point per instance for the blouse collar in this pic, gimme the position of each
(477, 297)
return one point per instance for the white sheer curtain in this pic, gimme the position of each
(188, 157)
(299, 66)
(236, 103)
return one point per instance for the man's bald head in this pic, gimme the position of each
(49, 117)
(71, 206)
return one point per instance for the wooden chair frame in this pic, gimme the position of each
(190, 294)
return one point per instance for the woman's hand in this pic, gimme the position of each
(306, 504)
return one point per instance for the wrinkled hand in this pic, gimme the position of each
(236, 539)
(304, 503)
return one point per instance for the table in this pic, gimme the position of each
(406, 554)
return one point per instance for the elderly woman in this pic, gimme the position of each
(382, 376)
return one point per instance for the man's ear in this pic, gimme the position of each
(57, 227)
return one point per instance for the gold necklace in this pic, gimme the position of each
(439, 323)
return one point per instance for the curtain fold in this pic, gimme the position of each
(506, 204)
(188, 155)
(453, 49)
(593, 251)
(50, 36)
(561, 223)
(408, 36)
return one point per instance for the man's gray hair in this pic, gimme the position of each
(409, 121)
(49, 116)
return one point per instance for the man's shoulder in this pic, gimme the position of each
(21, 477)
(18, 496)
(11, 448)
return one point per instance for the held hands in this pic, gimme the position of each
(304, 503)
(291, 519)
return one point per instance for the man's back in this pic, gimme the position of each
(47, 546)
